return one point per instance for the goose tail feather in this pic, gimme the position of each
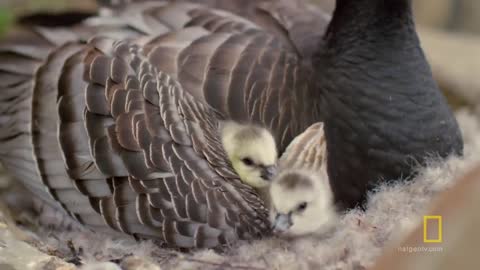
(20, 63)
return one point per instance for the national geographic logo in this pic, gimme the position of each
(432, 236)
(432, 229)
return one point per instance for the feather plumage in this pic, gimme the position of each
(129, 102)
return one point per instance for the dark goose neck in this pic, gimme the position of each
(376, 15)
(384, 110)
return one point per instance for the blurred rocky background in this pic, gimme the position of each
(450, 32)
(453, 15)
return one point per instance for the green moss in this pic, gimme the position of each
(6, 19)
(47, 4)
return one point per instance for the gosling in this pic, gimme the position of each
(302, 203)
(301, 199)
(252, 151)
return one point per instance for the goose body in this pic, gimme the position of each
(84, 131)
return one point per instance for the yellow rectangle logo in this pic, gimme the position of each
(435, 229)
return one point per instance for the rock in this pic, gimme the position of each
(101, 266)
(137, 263)
(56, 264)
(5, 266)
(18, 255)
(455, 61)
(454, 15)
(436, 13)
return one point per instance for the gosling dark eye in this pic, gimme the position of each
(301, 207)
(247, 161)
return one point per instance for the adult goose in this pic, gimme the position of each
(365, 77)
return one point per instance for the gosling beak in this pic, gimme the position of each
(268, 173)
(282, 223)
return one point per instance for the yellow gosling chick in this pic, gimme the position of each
(252, 151)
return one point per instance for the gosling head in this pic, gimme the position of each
(252, 152)
(302, 203)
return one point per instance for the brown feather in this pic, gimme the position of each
(122, 126)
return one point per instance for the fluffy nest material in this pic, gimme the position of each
(360, 237)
